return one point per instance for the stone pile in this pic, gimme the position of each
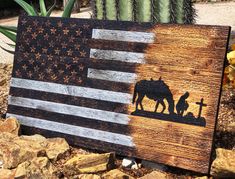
(37, 157)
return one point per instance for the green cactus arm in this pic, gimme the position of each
(9, 28)
(180, 11)
(143, 10)
(111, 10)
(10, 35)
(99, 6)
(42, 8)
(68, 8)
(28, 8)
(125, 10)
(163, 10)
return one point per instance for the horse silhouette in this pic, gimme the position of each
(156, 90)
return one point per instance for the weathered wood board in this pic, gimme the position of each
(143, 90)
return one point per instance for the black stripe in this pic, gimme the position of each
(70, 100)
(69, 119)
(84, 45)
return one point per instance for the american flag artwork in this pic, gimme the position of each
(92, 82)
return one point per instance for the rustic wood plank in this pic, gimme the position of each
(93, 77)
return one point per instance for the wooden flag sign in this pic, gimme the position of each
(142, 90)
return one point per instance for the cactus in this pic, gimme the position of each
(125, 10)
(157, 11)
(111, 11)
(143, 10)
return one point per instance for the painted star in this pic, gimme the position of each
(44, 50)
(36, 68)
(31, 61)
(40, 30)
(29, 29)
(34, 35)
(66, 31)
(41, 76)
(66, 79)
(73, 25)
(67, 66)
(35, 23)
(77, 46)
(49, 57)
(83, 53)
(78, 32)
(48, 23)
(32, 49)
(18, 73)
(53, 77)
(71, 39)
(79, 80)
(46, 36)
(61, 71)
(86, 26)
(81, 67)
(73, 73)
(26, 54)
(53, 30)
(60, 24)
(48, 70)
(57, 51)
(25, 67)
(64, 45)
(70, 52)
(51, 44)
(30, 74)
(23, 22)
(37, 55)
(75, 59)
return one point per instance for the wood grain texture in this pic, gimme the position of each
(176, 66)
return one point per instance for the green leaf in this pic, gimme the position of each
(42, 8)
(68, 8)
(9, 51)
(51, 9)
(29, 9)
(8, 34)
(9, 28)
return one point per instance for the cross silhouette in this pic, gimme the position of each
(201, 105)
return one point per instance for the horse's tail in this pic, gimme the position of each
(135, 94)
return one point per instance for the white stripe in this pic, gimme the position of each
(120, 35)
(75, 130)
(124, 56)
(112, 75)
(79, 91)
(79, 111)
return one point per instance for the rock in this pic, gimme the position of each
(38, 168)
(155, 174)
(231, 127)
(135, 166)
(10, 125)
(91, 163)
(56, 147)
(128, 162)
(224, 164)
(152, 165)
(88, 176)
(117, 174)
(15, 150)
(7, 174)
